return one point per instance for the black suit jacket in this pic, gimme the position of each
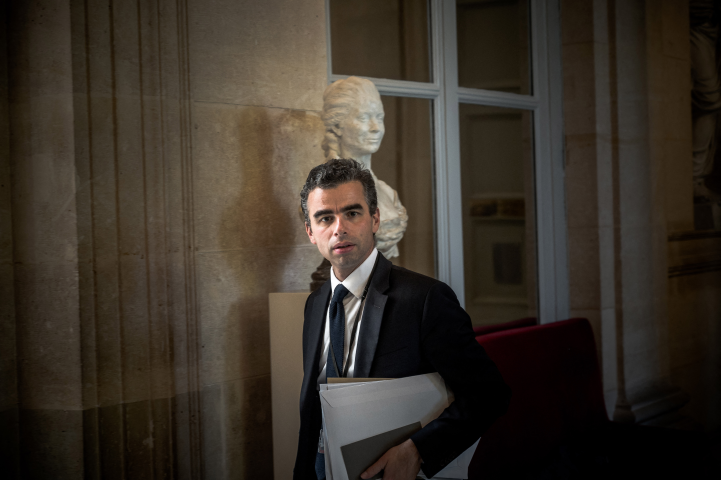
(412, 324)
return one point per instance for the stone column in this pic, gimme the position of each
(8, 356)
(147, 138)
(45, 239)
(641, 223)
(589, 180)
(617, 142)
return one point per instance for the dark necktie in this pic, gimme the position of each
(336, 315)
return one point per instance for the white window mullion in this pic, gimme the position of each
(557, 162)
(435, 22)
(328, 45)
(546, 105)
(449, 203)
(549, 166)
(558, 159)
(497, 99)
(400, 88)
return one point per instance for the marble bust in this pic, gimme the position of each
(353, 119)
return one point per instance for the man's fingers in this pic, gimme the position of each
(376, 467)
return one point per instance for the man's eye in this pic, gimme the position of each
(324, 220)
(353, 214)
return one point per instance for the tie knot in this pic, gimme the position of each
(339, 293)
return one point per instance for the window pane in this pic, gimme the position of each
(499, 238)
(493, 45)
(405, 162)
(381, 39)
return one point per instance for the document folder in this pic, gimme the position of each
(360, 455)
(356, 412)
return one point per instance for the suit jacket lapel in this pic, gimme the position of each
(315, 332)
(372, 318)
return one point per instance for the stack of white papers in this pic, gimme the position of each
(361, 417)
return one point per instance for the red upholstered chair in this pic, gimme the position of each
(556, 425)
(556, 391)
(498, 327)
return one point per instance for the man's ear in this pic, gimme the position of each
(376, 220)
(309, 231)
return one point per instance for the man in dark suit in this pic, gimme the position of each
(374, 319)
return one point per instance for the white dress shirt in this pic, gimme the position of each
(355, 283)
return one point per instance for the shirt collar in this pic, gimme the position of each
(356, 281)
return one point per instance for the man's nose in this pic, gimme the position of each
(339, 227)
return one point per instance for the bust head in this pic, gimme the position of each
(353, 119)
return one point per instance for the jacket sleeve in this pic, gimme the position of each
(481, 395)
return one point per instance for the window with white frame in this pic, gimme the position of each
(473, 144)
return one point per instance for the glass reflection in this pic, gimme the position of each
(405, 162)
(381, 39)
(493, 45)
(499, 241)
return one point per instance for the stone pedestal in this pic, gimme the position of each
(286, 376)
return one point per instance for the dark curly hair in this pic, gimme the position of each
(337, 172)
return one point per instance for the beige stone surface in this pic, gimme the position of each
(286, 358)
(679, 210)
(48, 338)
(605, 182)
(579, 89)
(250, 160)
(625, 194)
(675, 28)
(213, 411)
(581, 167)
(8, 357)
(233, 290)
(250, 164)
(44, 228)
(42, 48)
(270, 53)
(52, 443)
(147, 227)
(594, 318)
(9, 441)
(583, 77)
(607, 271)
(675, 96)
(248, 428)
(577, 17)
(609, 358)
(44, 181)
(694, 309)
(583, 247)
(237, 429)
(673, 139)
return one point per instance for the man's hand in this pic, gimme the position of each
(400, 463)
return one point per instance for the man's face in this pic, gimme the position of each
(341, 226)
(361, 131)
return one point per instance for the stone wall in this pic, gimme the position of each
(648, 283)
(8, 358)
(156, 152)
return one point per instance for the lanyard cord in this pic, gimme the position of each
(353, 332)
